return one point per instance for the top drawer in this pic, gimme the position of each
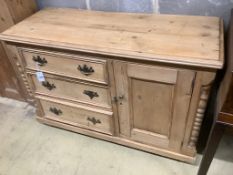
(67, 65)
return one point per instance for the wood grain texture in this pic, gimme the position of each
(187, 40)
(112, 88)
(181, 103)
(8, 80)
(153, 109)
(17, 63)
(163, 74)
(122, 86)
(203, 79)
(72, 90)
(9, 84)
(78, 117)
(67, 65)
(149, 72)
(225, 119)
(5, 15)
(21, 9)
(12, 12)
(154, 118)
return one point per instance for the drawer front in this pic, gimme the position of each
(71, 66)
(80, 117)
(81, 92)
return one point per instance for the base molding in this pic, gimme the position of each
(119, 140)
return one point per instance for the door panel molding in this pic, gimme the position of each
(154, 103)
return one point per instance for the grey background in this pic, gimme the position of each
(220, 8)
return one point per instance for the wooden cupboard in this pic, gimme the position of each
(12, 12)
(138, 80)
(152, 102)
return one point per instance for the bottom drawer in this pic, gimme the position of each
(78, 116)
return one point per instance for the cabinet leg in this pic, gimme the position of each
(212, 145)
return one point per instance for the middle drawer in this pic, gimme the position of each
(55, 86)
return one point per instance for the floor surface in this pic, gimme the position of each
(30, 148)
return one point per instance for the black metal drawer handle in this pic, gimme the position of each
(55, 111)
(85, 70)
(90, 94)
(48, 85)
(39, 60)
(93, 120)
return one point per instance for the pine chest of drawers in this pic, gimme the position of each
(139, 80)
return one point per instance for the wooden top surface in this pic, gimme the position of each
(187, 40)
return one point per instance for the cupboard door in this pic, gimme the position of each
(153, 103)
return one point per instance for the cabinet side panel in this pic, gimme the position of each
(11, 12)
(9, 84)
(197, 109)
(17, 63)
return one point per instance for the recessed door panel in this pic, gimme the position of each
(153, 103)
(152, 106)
